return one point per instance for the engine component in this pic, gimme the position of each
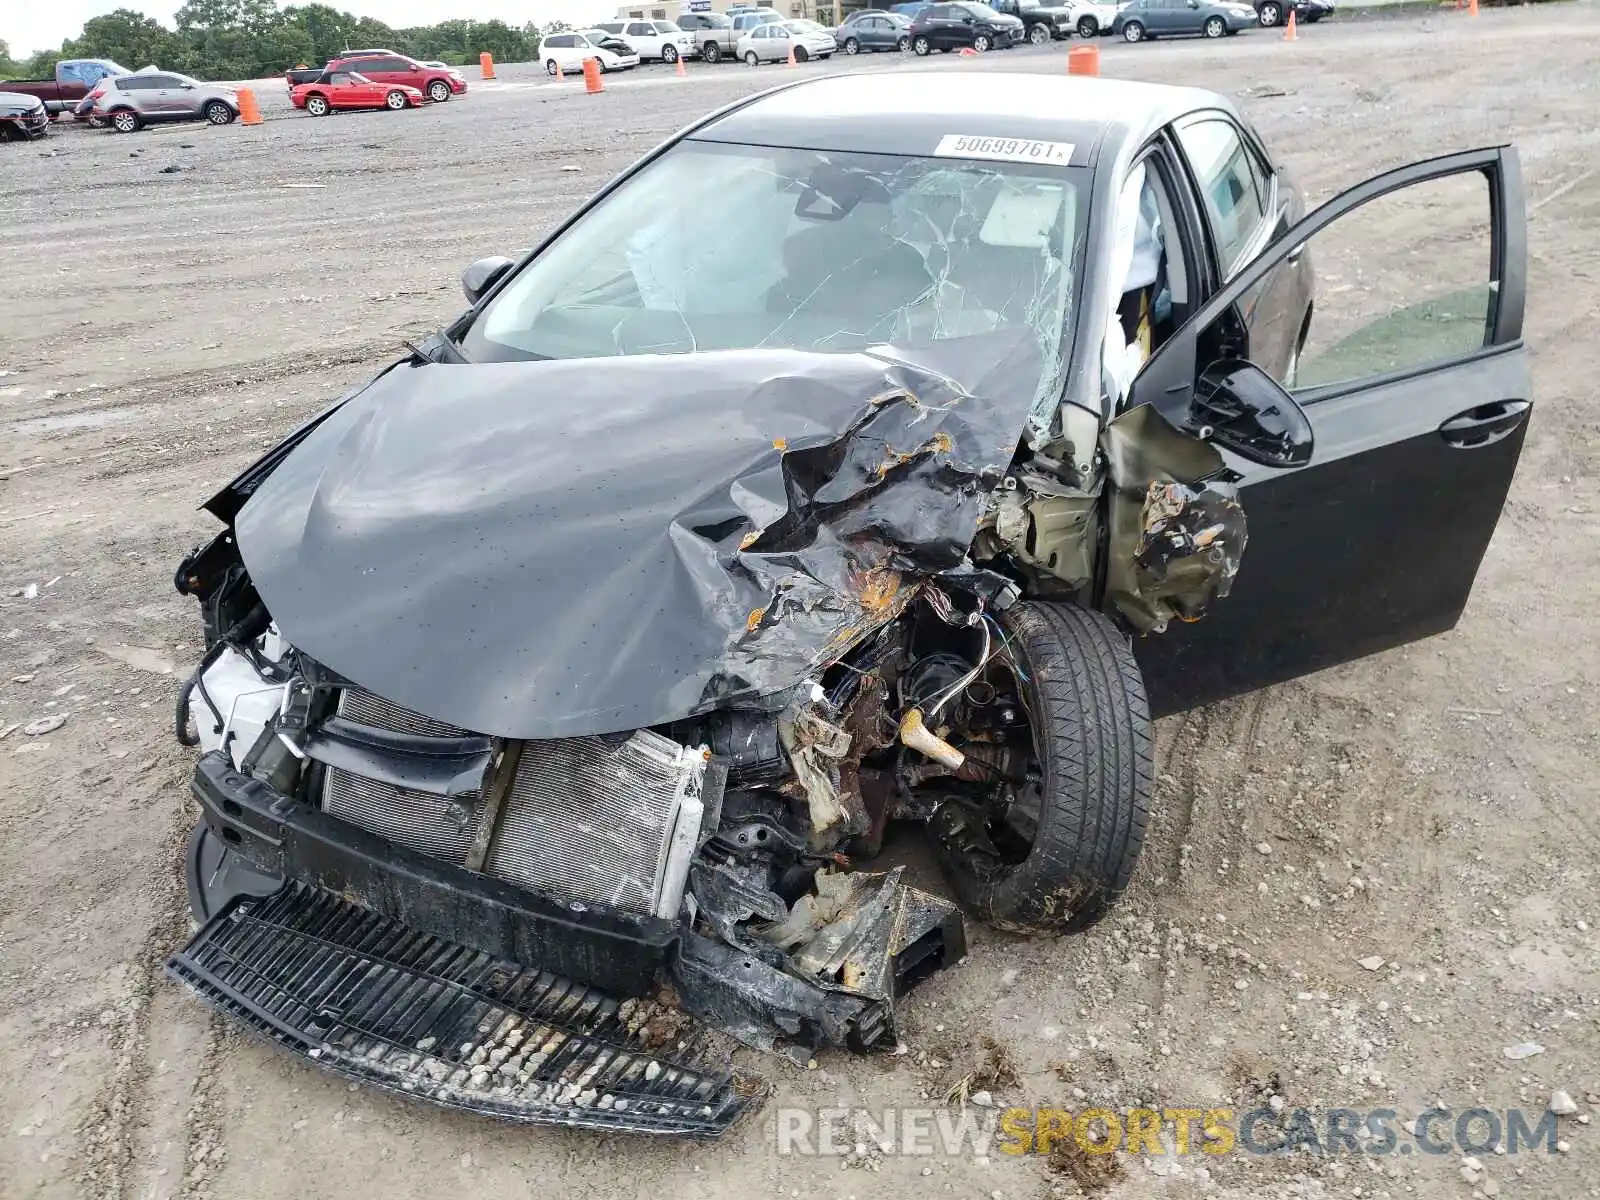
(747, 740)
(924, 741)
(931, 676)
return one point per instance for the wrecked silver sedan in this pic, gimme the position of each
(562, 682)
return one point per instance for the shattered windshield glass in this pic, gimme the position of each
(716, 247)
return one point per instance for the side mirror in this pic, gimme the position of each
(1239, 407)
(481, 276)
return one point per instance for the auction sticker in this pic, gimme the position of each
(965, 145)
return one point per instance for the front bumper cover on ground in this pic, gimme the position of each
(398, 969)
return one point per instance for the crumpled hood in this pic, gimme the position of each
(549, 549)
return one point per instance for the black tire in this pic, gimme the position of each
(903, 44)
(851, 46)
(439, 91)
(1270, 14)
(983, 43)
(1093, 743)
(551, 67)
(1039, 35)
(219, 112)
(669, 54)
(922, 47)
(1215, 27)
(1133, 31)
(125, 120)
(318, 106)
(1088, 27)
(711, 52)
(395, 100)
(801, 55)
(751, 58)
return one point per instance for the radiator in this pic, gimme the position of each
(608, 821)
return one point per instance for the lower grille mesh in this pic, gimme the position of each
(384, 1004)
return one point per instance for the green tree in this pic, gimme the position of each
(127, 37)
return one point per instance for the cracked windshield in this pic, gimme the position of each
(739, 247)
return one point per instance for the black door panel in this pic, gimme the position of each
(1419, 415)
(1374, 545)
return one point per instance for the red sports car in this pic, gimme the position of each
(349, 89)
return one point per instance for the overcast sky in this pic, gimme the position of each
(30, 25)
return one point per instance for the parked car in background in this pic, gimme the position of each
(433, 83)
(1041, 23)
(22, 117)
(347, 89)
(436, 64)
(873, 29)
(565, 52)
(73, 80)
(1095, 17)
(773, 40)
(652, 39)
(1182, 18)
(714, 35)
(1271, 12)
(610, 41)
(129, 102)
(966, 23)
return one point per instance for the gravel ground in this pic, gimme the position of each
(1434, 807)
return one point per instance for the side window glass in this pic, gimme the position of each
(1230, 186)
(1404, 282)
(75, 73)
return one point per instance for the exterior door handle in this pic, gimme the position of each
(1485, 424)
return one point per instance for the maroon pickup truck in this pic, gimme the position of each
(74, 78)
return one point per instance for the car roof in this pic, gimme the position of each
(909, 112)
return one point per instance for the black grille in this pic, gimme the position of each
(385, 1004)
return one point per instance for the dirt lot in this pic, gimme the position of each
(1435, 806)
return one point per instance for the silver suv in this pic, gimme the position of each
(126, 102)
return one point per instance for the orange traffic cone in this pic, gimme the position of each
(792, 61)
(1083, 60)
(1472, 8)
(486, 64)
(1289, 33)
(591, 76)
(682, 70)
(560, 74)
(249, 110)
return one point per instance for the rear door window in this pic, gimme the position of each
(1233, 187)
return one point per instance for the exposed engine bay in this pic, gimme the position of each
(438, 707)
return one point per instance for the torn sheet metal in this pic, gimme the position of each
(854, 948)
(549, 549)
(1177, 530)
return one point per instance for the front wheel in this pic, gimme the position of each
(1133, 32)
(1055, 846)
(218, 113)
(395, 101)
(752, 59)
(125, 120)
(711, 52)
(1088, 27)
(851, 46)
(1215, 27)
(438, 92)
(1039, 35)
(1270, 14)
(669, 54)
(982, 43)
(800, 54)
(922, 47)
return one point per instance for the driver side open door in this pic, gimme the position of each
(1416, 383)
